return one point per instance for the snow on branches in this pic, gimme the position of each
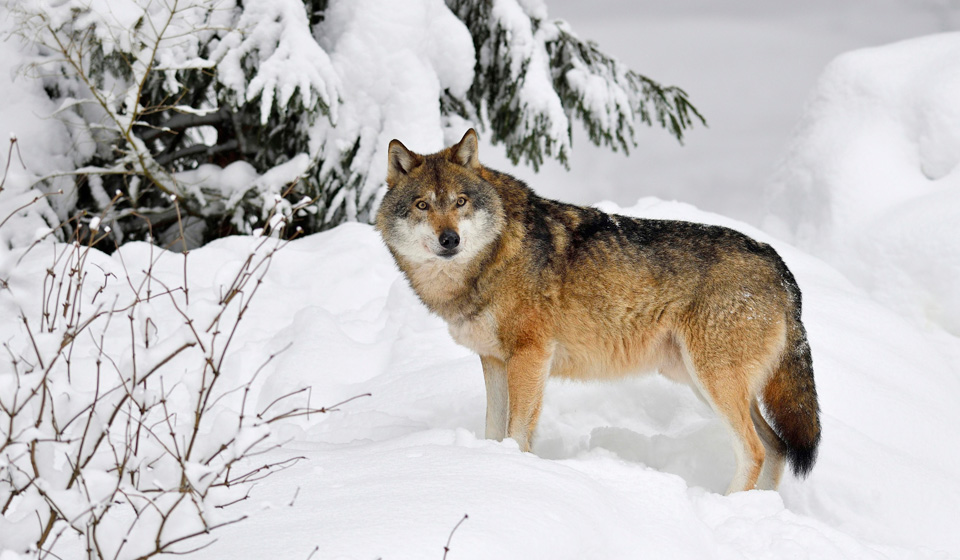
(270, 54)
(130, 420)
(306, 95)
(533, 76)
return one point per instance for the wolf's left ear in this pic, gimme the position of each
(400, 161)
(465, 152)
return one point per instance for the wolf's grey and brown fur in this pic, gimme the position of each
(539, 288)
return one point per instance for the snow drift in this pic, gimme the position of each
(619, 470)
(626, 469)
(871, 178)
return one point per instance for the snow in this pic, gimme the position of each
(870, 179)
(42, 144)
(394, 59)
(619, 469)
(535, 80)
(748, 65)
(288, 59)
(866, 189)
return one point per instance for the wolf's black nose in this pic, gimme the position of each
(449, 239)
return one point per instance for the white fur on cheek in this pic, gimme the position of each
(413, 242)
(475, 234)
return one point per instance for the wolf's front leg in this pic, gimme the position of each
(495, 378)
(527, 372)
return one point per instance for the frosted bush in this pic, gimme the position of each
(128, 429)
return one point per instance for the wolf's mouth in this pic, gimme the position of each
(447, 253)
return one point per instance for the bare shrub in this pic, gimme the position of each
(123, 431)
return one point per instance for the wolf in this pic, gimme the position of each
(541, 288)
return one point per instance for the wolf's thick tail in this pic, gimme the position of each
(790, 397)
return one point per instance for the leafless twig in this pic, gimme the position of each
(446, 548)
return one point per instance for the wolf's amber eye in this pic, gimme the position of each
(461, 201)
(421, 205)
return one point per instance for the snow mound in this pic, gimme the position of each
(619, 470)
(871, 179)
(628, 469)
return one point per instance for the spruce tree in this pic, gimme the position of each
(534, 76)
(213, 118)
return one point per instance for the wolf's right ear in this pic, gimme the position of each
(400, 161)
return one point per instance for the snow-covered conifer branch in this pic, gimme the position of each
(228, 104)
(533, 76)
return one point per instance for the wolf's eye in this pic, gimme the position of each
(461, 201)
(421, 205)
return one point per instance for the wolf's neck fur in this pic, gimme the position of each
(437, 282)
(451, 289)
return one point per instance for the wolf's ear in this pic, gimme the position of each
(465, 152)
(400, 161)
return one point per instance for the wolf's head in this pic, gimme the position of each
(439, 207)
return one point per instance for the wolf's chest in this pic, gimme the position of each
(478, 334)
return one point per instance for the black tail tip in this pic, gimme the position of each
(802, 458)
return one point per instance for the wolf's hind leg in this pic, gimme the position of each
(727, 390)
(774, 461)
(733, 407)
(495, 379)
(527, 372)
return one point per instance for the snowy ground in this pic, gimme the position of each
(620, 470)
